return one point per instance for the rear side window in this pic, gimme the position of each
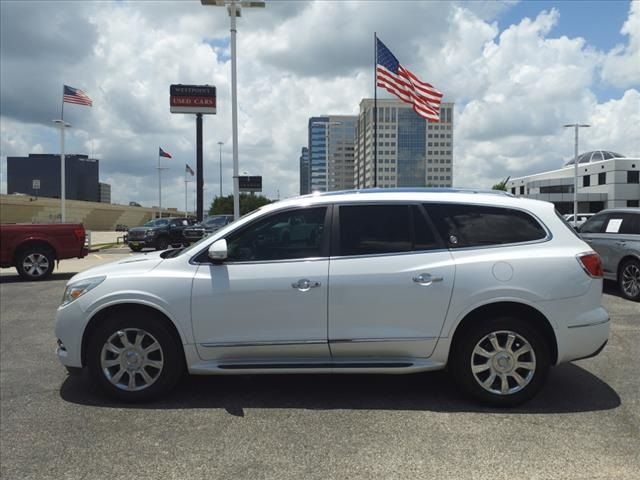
(462, 225)
(626, 223)
(378, 229)
(594, 224)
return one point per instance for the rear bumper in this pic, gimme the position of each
(586, 339)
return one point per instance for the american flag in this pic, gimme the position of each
(396, 79)
(188, 169)
(162, 153)
(75, 95)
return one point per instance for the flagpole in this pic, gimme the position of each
(186, 214)
(375, 111)
(63, 186)
(159, 188)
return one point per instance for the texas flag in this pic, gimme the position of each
(162, 153)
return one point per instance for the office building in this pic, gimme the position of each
(331, 152)
(305, 172)
(605, 180)
(411, 152)
(43, 172)
(105, 192)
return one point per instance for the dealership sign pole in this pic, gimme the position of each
(197, 99)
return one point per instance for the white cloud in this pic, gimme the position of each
(622, 65)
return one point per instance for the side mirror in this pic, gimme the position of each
(218, 250)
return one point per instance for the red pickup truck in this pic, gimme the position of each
(33, 249)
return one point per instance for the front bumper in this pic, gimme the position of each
(142, 243)
(70, 323)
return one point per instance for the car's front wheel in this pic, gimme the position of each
(503, 361)
(134, 358)
(629, 279)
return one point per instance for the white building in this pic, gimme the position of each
(411, 151)
(605, 180)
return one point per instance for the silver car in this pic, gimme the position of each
(615, 235)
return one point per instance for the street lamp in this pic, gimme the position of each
(220, 143)
(234, 7)
(576, 126)
(63, 125)
(326, 148)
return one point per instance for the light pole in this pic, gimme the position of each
(220, 143)
(234, 7)
(326, 125)
(576, 126)
(63, 125)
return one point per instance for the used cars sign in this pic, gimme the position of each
(193, 99)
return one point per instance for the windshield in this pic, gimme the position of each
(156, 223)
(215, 221)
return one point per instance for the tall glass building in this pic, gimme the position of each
(411, 151)
(305, 172)
(331, 152)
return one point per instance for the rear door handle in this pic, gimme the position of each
(426, 279)
(621, 242)
(304, 285)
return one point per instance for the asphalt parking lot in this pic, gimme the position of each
(584, 425)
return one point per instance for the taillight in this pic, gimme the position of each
(591, 263)
(79, 233)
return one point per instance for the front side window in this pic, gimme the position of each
(282, 236)
(463, 225)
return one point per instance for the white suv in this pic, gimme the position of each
(493, 287)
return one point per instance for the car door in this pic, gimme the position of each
(268, 301)
(390, 282)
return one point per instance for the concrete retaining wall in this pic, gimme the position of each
(94, 216)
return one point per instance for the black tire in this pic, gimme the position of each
(135, 249)
(537, 361)
(162, 243)
(170, 354)
(629, 279)
(35, 263)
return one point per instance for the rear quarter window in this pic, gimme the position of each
(464, 225)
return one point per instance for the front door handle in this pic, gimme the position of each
(621, 243)
(304, 285)
(426, 279)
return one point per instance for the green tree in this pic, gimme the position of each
(248, 203)
(501, 185)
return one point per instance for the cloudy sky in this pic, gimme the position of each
(517, 71)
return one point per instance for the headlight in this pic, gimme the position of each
(78, 289)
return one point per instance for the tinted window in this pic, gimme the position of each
(602, 178)
(282, 236)
(594, 224)
(625, 223)
(633, 177)
(423, 237)
(369, 229)
(586, 180)
(474, 225)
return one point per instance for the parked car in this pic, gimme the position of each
(159, 234)
(615, 235)
(206, 227)
(34, 249)
(495, 288)
(582, 217)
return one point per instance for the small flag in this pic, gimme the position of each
(396, 79)
(75, 95)
(188, 169)
(162, 153)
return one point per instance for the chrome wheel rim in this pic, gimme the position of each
(132, 359)
(35, 264)
(503, 362)
(631, 280)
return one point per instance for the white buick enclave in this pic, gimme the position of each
(496, 289)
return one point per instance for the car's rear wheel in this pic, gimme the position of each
(134, 359)
(503, 361)
(629, 279)
(35, 263)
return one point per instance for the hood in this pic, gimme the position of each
(142, 229)
(130, 265)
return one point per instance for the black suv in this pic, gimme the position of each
(159, 234)
(207, 227)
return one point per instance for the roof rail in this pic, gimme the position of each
(413, 190)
